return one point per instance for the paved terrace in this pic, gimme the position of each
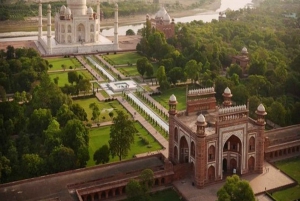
(62, 185)
(259, 182)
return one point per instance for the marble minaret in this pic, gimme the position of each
(49, 29)
(40, 20)
(116, 40)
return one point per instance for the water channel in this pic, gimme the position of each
(204, 16)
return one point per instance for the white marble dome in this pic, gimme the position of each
(167, 17)
(173, 98)
(49, 6)
(227, 91)
(161, 13)
(261, 108)
(90, 11)
(68, 11)
(63, 9)
(201, 118)
(244, 50)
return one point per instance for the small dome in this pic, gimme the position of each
(49, 6)
(261, 108)
(63, 8)
(173, 98)
(167, 17)
(68, 11)
(161, 13)
(90, 11)
(244, 50)
(116, 5)
(227, 91)
(201, 118)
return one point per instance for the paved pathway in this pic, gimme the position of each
(270, 179)
(112, 68)
(160, 139)
(158, 105)
(89, 68)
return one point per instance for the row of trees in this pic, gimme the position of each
(201, 52)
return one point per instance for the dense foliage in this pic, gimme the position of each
(202, 53)
(235, 189)
(41, 130)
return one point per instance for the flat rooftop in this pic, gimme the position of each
(56, 186)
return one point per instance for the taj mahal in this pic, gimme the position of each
(77, 30)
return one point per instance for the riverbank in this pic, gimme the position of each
(29, 27)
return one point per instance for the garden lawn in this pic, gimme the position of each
(123, 58)
(59, 61)
(292, 168)
(128, 70)
(105, 107)
(100, 136)
(179, 92)
(63, 76)
(165, 195)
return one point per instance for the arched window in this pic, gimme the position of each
(62, 28)
(211, 153)
(251, 144)
(69, 39)
(69, 29)
(193, 149)
(92, 28)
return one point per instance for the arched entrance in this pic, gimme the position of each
(233, 164)
(184, 150)
(224, 165)
(80, 33)
(232, 152)
(251, 163)
(211, 173)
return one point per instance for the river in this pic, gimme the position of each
(204, 16)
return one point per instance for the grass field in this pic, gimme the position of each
(179, 92)
(292, 168)
(123, 58)
(100, 136)
(63, 76)
(105, 107)
(165, 195)
(128, 70)
(59, 61)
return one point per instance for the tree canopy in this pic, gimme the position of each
(235, 189)
(121, 135)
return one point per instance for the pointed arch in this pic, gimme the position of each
(184, 150)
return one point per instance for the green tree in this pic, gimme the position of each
(141, 66)
(101, 155)
(32, 165)
(235, 189)
(39, 121)
(84, 85)
(121, 135)
(146, 179)
(192, 70)
(75, 135)
(78, 111)
(130, 32)
(62, 159)
(73, 77)
(175, 74)
(5, 168)
(134, 191)
(162, 78)
(96, 111)
(64, 114)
